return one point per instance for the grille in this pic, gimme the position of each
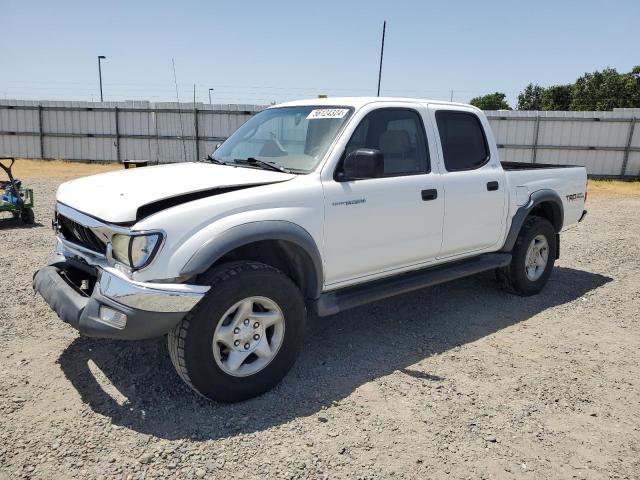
(83, 236)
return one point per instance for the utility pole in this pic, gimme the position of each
(100, 57)
(210, 90)
(384, 28)
(451, 97)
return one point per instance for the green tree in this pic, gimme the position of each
(492, 101)
(606, 90)
(530, 98)
(535, 97)
(557, 97)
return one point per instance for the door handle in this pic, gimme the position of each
(431, 194)
(492, 186)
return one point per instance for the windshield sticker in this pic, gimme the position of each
(327, 113)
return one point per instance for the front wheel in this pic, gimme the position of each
(533, 257)
(244, 336)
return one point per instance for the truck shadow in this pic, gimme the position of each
(340, 354)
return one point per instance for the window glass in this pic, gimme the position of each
(464, 145)
(296, 138)
(359, 137)
(399, 135)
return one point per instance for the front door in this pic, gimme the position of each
(378, 225)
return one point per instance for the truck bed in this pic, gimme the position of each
(533, 166)
(569, 182)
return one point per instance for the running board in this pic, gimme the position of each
(336, 301)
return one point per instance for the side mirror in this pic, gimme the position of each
(361, 164)
(210, 155)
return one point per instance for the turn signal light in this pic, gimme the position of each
(112, 317)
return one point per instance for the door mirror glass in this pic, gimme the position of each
(361, 164)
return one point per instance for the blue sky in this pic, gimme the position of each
(259, 52)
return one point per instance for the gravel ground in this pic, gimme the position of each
(457, 381)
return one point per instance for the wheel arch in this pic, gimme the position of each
(281, 244)
(543, 203)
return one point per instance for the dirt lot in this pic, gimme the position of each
(457, 381)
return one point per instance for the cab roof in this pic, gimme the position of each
(358, 102)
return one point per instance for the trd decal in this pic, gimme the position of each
(575, 196)
(350, 202)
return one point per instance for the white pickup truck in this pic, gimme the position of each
(318, 205)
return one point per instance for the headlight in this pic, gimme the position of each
(135, 251)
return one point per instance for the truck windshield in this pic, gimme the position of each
(294, 138)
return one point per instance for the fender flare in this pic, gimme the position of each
(247, 233)
(523, 212)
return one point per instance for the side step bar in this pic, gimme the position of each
(336, 301)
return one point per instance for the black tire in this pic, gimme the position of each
(190, 343)
(27, 216)
(513, 278)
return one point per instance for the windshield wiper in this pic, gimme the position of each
(262, 164)
(214, 160)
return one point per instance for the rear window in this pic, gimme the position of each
(464, 145)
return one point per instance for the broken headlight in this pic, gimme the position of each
(135, 251)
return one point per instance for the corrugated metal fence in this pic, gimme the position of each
(607, 143)
(116, 131)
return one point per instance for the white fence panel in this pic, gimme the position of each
(166, 132)
(171, 151)
(633, 165)
(597, 140)
(19, 146)
(116, 131)
(74, 148)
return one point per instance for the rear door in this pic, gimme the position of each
(379, 225)
(473, 181)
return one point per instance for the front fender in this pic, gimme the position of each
(205, 256)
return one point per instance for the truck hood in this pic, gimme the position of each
(126, 196)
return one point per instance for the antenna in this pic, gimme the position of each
(384, 29)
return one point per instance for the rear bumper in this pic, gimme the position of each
(151, 310)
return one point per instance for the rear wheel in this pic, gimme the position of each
(244, 336)
(533, 257)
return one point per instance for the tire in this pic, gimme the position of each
(516, 277)
(27, 216)
(207, 367)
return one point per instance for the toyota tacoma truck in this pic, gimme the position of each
(310, 208)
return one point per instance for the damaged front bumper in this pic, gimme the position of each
(100, 301)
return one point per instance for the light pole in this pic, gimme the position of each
(100, 57)
(210, 90)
